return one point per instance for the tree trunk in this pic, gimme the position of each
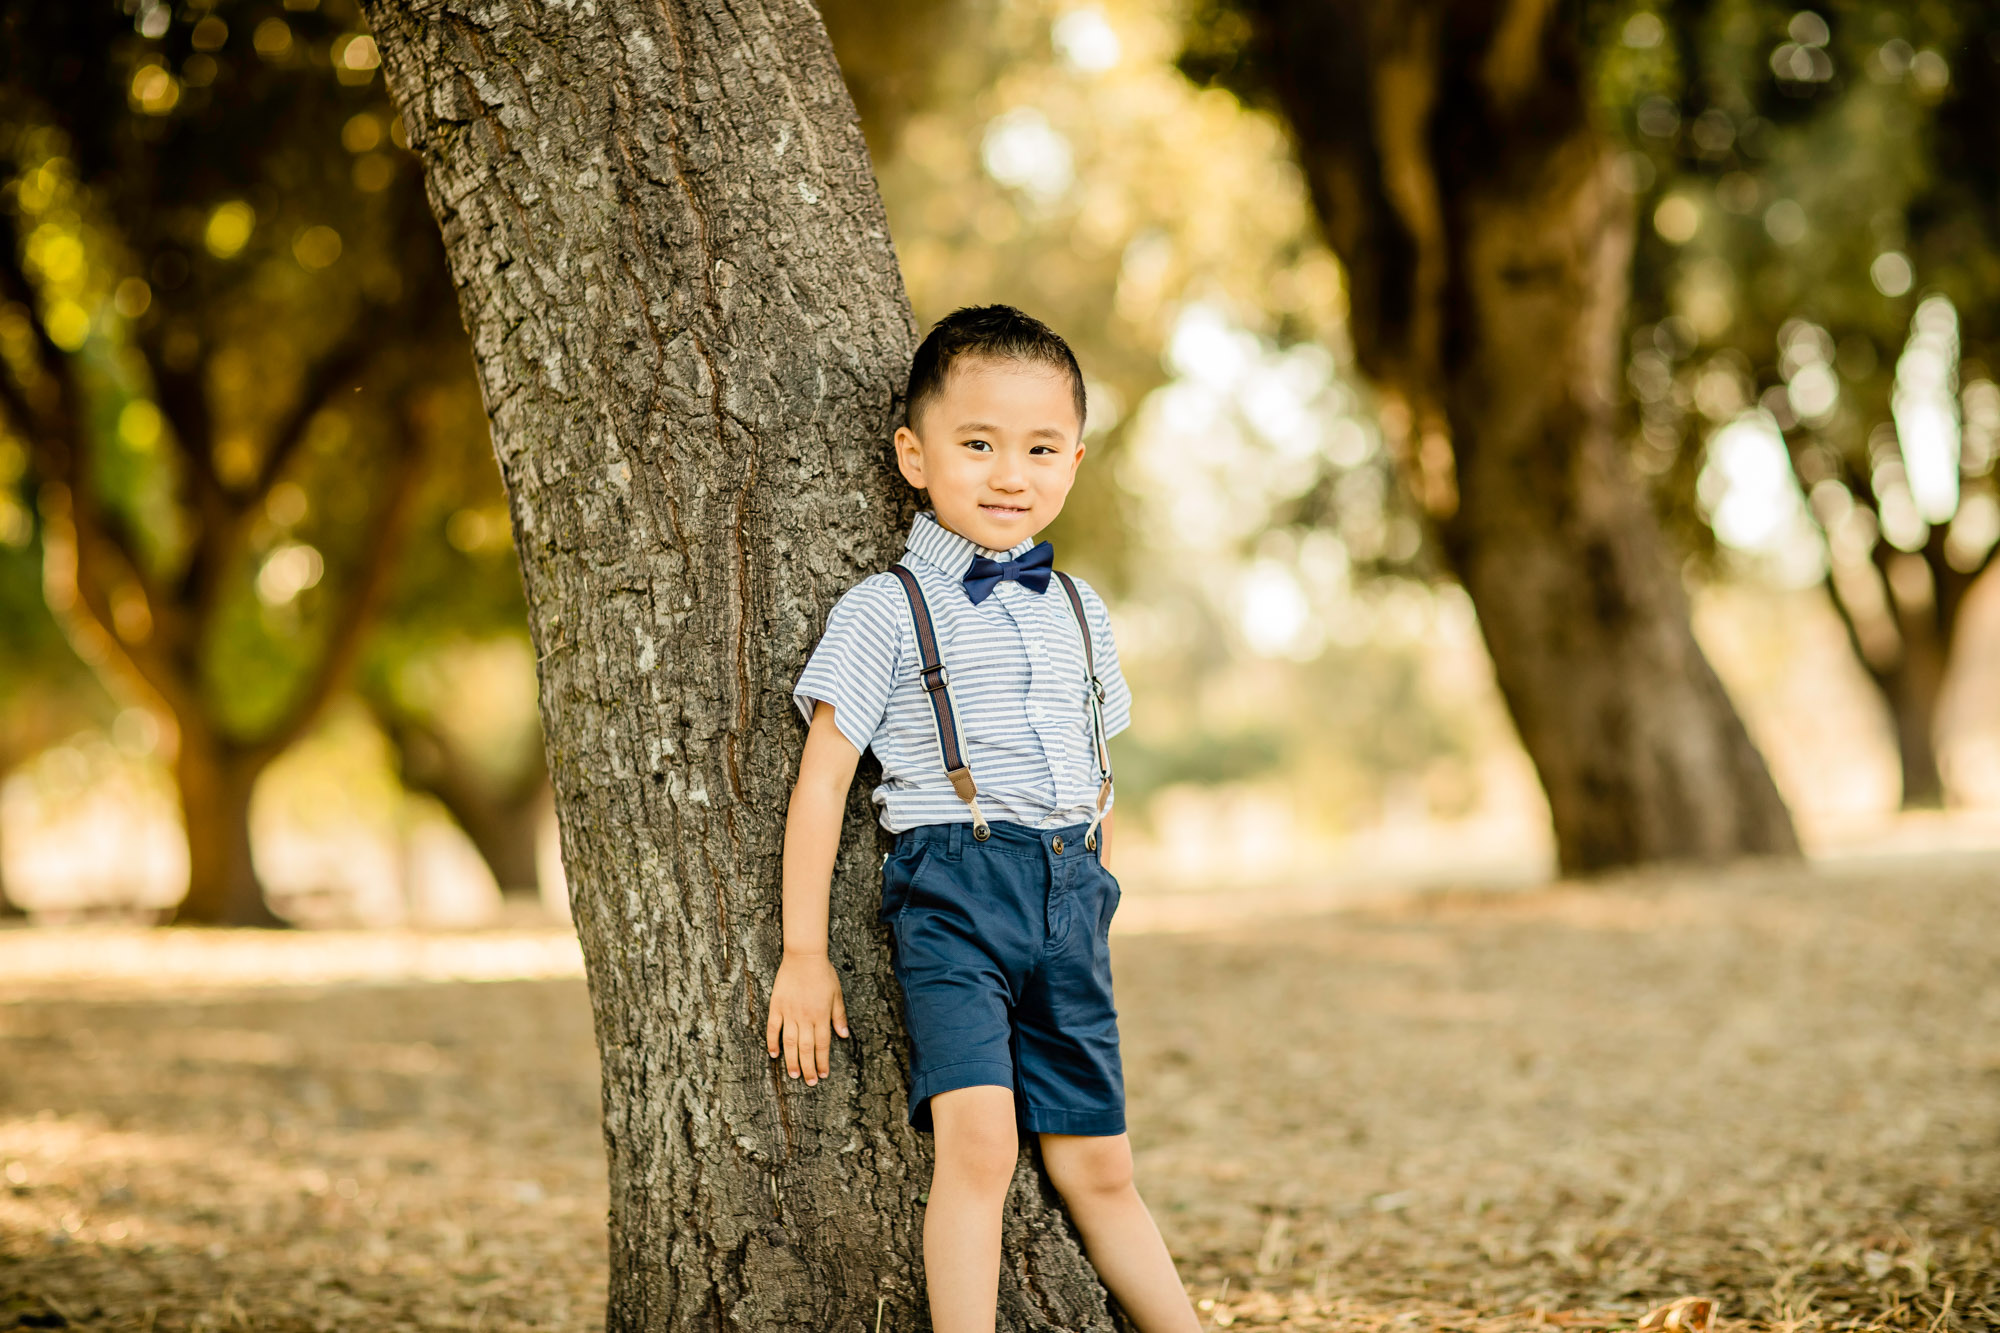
(502, 819)
(1902, 612)
(505, 832)
(690, 329)
(1450, 154)
(9, 909)
(1926, 619)
(1916, 748)
(216, 781)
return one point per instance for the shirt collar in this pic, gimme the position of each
(930, 540)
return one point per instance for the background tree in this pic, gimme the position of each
(449, 674)
(1817, 272)
(689, 330)
(1455, 162)
(224, 338)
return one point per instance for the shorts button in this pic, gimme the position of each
(1057, 844)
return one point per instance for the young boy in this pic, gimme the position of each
(969, 671)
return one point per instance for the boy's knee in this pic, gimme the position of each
(976, 1139)
(1089, 1167)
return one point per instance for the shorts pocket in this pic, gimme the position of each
(1108, 903)
(899, 876)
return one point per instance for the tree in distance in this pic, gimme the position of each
(1462, 177)
(1817, 282)
(223, 343)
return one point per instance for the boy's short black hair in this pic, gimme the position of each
(999, 332)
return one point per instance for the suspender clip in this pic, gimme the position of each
(942, 678)
(1097, 688)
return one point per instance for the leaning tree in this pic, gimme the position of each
(1454, 159)
(689, 328)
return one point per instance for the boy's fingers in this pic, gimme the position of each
(822, 1043)
(772, 1028)
(791, 1048)
(808, 1059)
(839, 1014)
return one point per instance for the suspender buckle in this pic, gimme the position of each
(1097, 688)
(942, 678)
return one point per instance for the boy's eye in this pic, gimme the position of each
(979, 444)
(1042, 449)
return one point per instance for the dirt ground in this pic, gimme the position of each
(1777, 1087)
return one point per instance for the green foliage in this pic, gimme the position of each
(1782, 193)
(224, 235)
(1046, 155)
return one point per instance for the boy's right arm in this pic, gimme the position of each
(805, 999)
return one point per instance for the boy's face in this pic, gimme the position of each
(998, 450)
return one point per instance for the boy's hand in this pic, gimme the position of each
(805, 1001)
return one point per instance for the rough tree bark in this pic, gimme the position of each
(689, 329)
(1451, 157)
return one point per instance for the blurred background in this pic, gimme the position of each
(261, 629)
(263, 658)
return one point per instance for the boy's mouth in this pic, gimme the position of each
(1004, 511)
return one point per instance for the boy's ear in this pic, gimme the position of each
(910, 456)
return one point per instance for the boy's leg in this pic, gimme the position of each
(977, 1148)
(1093, 1173)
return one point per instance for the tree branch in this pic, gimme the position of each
(227, 511)
(184, 402)
(16, 409)
(1951, 584)
(380, 544)
(337, 369)
(1854, 639)
(56, 438)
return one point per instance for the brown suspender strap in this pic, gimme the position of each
(1095, 702)
(937, 683)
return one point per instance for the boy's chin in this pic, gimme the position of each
(999, 531)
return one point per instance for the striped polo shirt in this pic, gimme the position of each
(1018, 684)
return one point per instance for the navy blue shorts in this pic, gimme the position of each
(1001, 953)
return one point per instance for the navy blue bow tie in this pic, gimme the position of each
(1031, 571)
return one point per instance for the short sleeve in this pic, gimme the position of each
(854, 667)
(1117, 694)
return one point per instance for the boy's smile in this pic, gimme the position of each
(997, 450)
